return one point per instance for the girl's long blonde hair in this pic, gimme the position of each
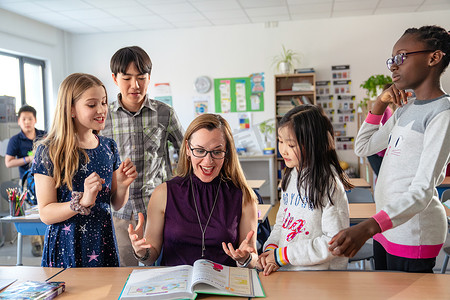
(231, 168)
(61, 141)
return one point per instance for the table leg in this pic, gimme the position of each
(19, 249)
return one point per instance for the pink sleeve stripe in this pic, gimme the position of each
(383, 220)
(271, 247)
(408, 251)
(373, 119)
(281, 256)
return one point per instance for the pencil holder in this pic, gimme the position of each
(16, 202)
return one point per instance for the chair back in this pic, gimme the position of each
(445, 195)
(8, 185)
(360, 195)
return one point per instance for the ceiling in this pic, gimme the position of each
(102, 16)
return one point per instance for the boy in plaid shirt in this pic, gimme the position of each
(141, 128)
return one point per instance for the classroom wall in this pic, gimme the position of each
(23, 36)
(181, 55)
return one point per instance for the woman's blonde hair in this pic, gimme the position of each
(61, 141)
(231, 169)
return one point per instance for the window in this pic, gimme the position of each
(23, 78)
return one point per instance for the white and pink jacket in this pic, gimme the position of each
(409, 212)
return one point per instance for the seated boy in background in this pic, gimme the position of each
(19, 153)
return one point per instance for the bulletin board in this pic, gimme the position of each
(235, 95)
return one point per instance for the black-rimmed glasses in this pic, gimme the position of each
(400, 58)
(200, 153)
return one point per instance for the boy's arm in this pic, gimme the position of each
(175, 131)
(12, 161)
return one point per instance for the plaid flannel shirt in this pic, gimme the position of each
(142, 136)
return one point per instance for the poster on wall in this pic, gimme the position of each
(244, 120)
(201, 104)
(162, 93)
(235, 95)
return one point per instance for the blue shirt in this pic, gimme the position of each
(19, 146)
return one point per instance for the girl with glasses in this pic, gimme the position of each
(410, 225)
(207, 211)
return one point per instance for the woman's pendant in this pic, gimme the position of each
(203, 245)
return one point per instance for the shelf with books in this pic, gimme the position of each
(292, 90)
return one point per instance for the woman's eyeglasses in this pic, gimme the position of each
(200, 153)
(400, 58)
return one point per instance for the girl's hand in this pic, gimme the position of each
(394, 95)
(92, 185)
(127, 173)
(347, 242)
(267, 262)
(245, 249)
(136, 235)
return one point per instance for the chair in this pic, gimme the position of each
(263, 230)
(445, 196)
(362, 195)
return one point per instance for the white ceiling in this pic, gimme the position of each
(101, 16)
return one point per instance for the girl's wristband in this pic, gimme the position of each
(76, 206)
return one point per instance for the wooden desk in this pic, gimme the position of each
(255, 184)
(28, 273)
(361, 210)
(26, 225)
(360, 182)
(101, 283)
(355, 285)
(263, 211)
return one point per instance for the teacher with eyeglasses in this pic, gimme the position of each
(208, 211)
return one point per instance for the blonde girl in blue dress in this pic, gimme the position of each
(78, 177)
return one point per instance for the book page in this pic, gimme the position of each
(159, 283)
(229, 280)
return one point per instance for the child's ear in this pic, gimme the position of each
(436, 58)
(114, 78)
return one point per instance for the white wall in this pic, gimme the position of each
(23, 36)
(179, 56)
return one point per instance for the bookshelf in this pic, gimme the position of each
(292, 90)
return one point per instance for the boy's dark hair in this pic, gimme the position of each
(315, 137)
(123, 57)
(435, 38)
(27, 108)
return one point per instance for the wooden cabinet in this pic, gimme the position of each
(292, 90)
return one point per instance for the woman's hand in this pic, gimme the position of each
(267, 263)
(127, 173)
(92, 185)
(245, 249)
(136, 235)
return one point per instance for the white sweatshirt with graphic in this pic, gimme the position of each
(417, 138)
(301, 233)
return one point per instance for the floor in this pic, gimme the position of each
(9, 250)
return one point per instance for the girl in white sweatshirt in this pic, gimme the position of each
(313, 206)
(410, 225)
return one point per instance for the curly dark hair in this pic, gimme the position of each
(435, 38)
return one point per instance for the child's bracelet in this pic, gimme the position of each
(246, 262)
(76, 206)
(24, 160)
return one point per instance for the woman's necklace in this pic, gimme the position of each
(203, 230)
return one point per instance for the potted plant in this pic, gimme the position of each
(373, 86)
(267, 128)
(284, 61)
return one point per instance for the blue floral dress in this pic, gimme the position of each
(83, 241)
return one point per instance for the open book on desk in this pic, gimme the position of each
(205, 277)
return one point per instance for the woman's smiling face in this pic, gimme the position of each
(206, 168)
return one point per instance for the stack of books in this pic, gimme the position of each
(302, 86)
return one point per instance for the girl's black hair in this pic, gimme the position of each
(435, 38)
(318, 157)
